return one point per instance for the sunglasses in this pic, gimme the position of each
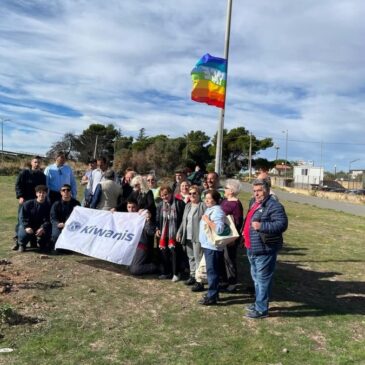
(193, 193)
(65, 189)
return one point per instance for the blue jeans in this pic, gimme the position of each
(262, 272)
(24, 238)
(212, 261)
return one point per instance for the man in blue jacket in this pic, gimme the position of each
(263, 230)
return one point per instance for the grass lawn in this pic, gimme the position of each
(74, 309)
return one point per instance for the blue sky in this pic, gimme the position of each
(296, 66)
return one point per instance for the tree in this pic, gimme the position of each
(68, 145)
(196, 150)
(97, 138)
(236, 145)
(142, 141)
(165, 154)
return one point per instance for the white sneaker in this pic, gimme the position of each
(175, 278)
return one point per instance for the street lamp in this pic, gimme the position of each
(2, 136)
(357, 159)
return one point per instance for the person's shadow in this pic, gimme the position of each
(315, 293)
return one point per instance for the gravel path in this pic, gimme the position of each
(355, 209)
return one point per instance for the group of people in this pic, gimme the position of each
(179, 216)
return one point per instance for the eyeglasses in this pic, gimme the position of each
(150, 180)
(65, 189)
(193, 193)
(257, 190)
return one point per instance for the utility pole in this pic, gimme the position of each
(96, 145)
(250, 159)
(277, 152)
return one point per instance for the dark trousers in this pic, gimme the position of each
(43, 241)
(171, 260)
(55, 234)
(17, 221)
(142, 263)
(212, 261)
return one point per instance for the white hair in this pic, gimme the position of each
(139, 179)
(234, 186)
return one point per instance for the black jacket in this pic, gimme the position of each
(61, 210)
(180, 206)
(26, 182)
(35, 215)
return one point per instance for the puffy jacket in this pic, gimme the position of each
(274, 222)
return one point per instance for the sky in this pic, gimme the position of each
(296, 72)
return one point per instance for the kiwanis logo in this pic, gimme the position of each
(74, 226)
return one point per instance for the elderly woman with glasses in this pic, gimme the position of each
(188, 233)
(231, 205)
(143, 195)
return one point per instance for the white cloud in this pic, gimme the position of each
(293, 65)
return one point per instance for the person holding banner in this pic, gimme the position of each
(142, 263)
(214, 219)
(168, 219)
(61, 210)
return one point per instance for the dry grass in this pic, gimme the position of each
(85, 311)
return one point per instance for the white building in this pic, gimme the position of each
(306, 175)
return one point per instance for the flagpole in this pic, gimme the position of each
(218, 152)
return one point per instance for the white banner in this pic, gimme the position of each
(98, 233)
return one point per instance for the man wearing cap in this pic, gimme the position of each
(263, 230)
(61, 210)
(180, 176)
(34, 221)
(58, 174)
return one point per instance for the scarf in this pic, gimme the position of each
(169, 221)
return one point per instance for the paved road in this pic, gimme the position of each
(355, 209)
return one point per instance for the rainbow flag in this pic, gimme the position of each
(209, 81)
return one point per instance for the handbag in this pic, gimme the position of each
(228, 235)
(201, 272)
